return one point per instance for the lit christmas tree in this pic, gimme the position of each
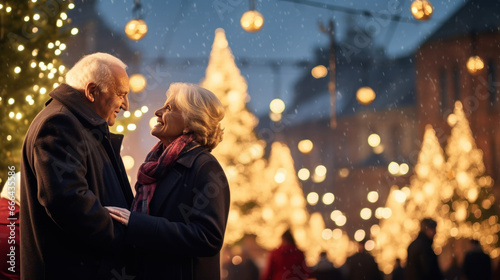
(429, 188)
(423, 199)
(241, 153)
(31, 42)
(397, 227)
(471, 206)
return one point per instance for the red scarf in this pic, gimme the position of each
(157, 163)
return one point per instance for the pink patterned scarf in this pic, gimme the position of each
(157, 163)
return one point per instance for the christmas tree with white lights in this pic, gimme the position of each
(423, 199)
(471, 206)
(394, 228)
(31, 41)
(240, 153)
(429, 188)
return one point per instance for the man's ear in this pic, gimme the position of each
(91, 91)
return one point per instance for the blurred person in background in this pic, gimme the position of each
(422, 262)
(287, 261)
(477, 264)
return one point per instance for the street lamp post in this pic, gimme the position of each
(330, 31)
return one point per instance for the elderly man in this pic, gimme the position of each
(71, 168)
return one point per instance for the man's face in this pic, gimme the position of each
(109, 103)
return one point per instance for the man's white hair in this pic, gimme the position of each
(97, 68)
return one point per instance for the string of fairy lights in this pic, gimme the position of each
(52, 70)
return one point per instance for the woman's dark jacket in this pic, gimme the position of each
(70, 169)
(183, 234)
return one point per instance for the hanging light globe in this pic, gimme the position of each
(137, 83)
(365, 95)
(252, 21)
(421, 9)
(136, 29)
(475, 64)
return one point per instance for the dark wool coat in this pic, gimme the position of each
(70, 169)
(422, 262)
(182, 236)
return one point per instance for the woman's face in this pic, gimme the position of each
(170, 123)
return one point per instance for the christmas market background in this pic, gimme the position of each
(353, 142)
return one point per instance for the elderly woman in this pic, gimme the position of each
(181, 206)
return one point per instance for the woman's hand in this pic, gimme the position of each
(122, 215)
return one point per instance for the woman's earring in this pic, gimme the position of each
(185, 131)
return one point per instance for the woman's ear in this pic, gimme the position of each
(185, 131)
(91, 91)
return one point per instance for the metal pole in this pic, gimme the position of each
(330, 31)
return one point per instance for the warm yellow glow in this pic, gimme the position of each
(375, 229)
(335, 214)
(341, 220)
(399, 196)
(236, 260)
(303, 174)
(152, 122)
(120, 128)
(19, 116)
(17, 69)
(138, 113)
(275, 117)
(328, 198)
(11, 101)
(277, 106)
(326, 234)
(475, 64)
(372, 196)
(369, 245)
(252, 21)
(404, 168)
(20, 48)
(319, 72)
(421, 9)
(343, 172)
(374, 140)
(320, 170)
(312, 198)
(317, 178)
(359, 235)
(280, 176)
(136, 29)
(144, 109)
(305, 146)
(365, 95)
(137, 82)
(280, 199)
(128, 162)
(131, 127)
(74, 31)
(365, 213)
(337, 234)
(393, 168)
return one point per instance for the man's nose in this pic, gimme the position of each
(125, 103)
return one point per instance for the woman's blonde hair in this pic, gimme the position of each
(202, 112)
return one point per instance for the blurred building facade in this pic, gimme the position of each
(411, 92)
